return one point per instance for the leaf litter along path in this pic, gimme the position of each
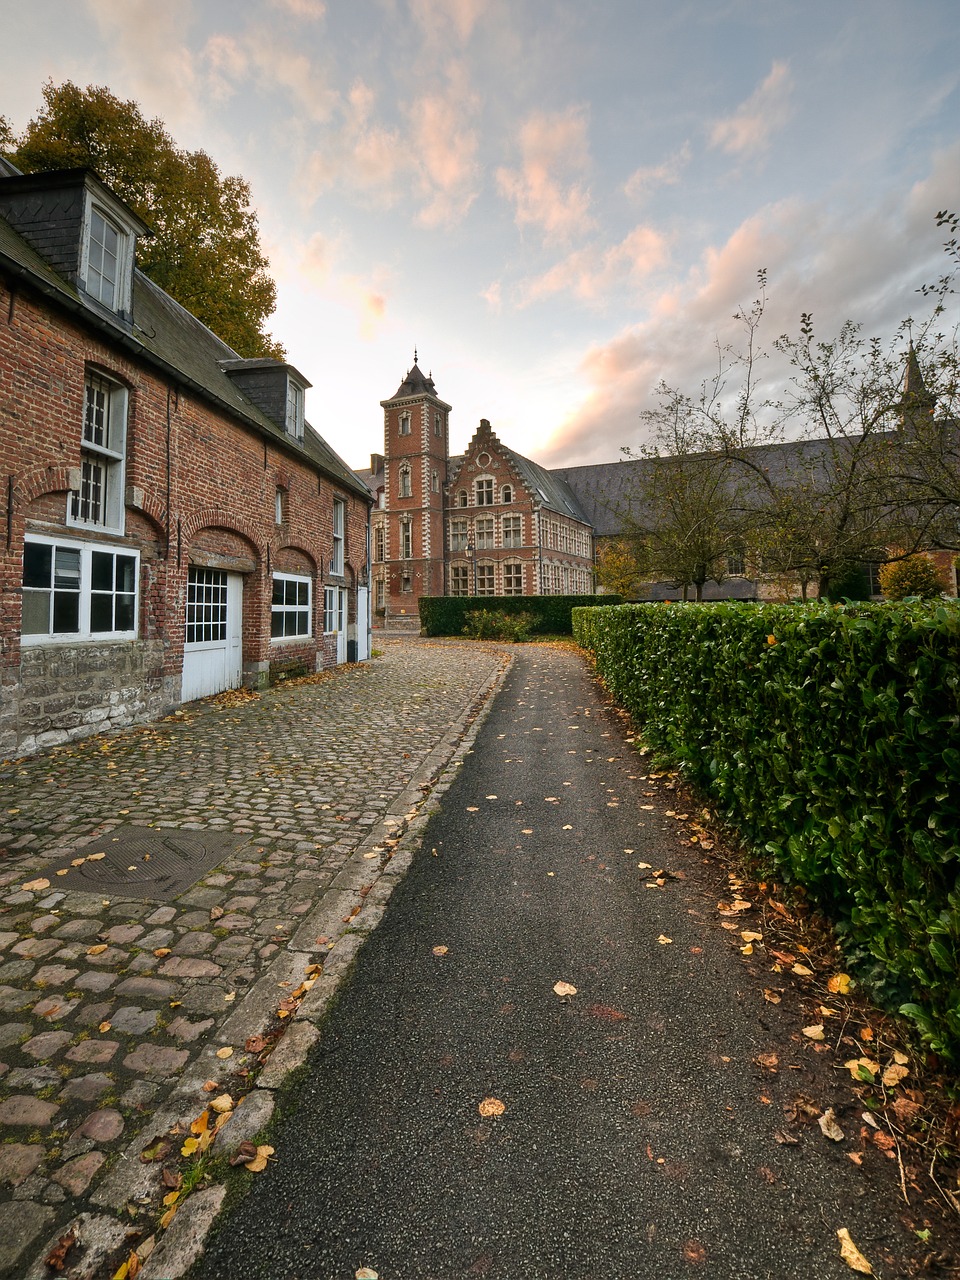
(549, 1062)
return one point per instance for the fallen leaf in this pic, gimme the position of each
(693, 1251)
(95, 857)
(564, 989)
(783, 956)
(63, 871)
(900, 1058)
(229, 995)
(57, 1257)
(768, 1060)
(829, 1127)
(771, 996)
(168, 1217)
(367, 1273)
(526, 831)
(851, 1254)
(104, 1027)
(802, 971)
(894, 1074)
(815, 1032)
(863, 1069)
(440, 951)
(491, 1107)
(785, 1139)
(157, 1149)
(190, 1146)
(161, 952)
(839, 984)
(664, 940)
(255, 1044)
(32, 885)
(172, 1179)
(259, 1161)
(222, 1103)
(225, 1052)
(97, 950)
(748, 935)
(855, 1156)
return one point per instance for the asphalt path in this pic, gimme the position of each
(639, 1130)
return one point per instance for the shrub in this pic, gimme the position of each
(914, 576)
(828, 734)
(447, 615)
(494, 624)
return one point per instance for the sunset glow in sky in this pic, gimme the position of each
(558, 202)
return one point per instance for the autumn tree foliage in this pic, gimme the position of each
(205, 250)
(914, 576)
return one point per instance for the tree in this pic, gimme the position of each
(619, 566)
(205, 250)
(914, 576)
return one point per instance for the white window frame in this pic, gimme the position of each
(406, 539)
(339, 536)
(459, 534)
(438, 424)
(486, 572)
(506, 493)
(379, 545)
(484, 487)
(485, 533)
(404, 482)
(85, 591)
(295, 410)
(287, 610)
(118, 297)
(462, 498)
(331, 611)
(513, 578)
(109, 457)
(405, 424)
(435, 482)
(512, 530)
(460, 578)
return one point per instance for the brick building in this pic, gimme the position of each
(488, 522)
(172, 525)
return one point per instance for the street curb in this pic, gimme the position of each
(362, 886)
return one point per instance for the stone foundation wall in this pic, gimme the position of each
(71, 691)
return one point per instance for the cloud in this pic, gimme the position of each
(545, 190)
(646, 179)
(592, 274)
(445, 152)
(866, 268)
(447, 18)
(749, 129)
(493, 296)
(274, 64)
(313, 10)
(148, 50)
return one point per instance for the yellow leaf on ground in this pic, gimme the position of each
(36, 884)
(900, 1059)
(97, 950)
(225, 1052)
(815, 1032)
(852, 1255)
(894, 1074)
(771, 996)
(222, 1103)
(259, 1162)
(863, 1068)
(95, 857)
(748, 935)
(104, 1027)
(802, 971)
(367, 1273)
(440, 951)
(491, 1107)
(199, 1125)
(839, 984)
(564, 989)
(168, 1216)
(190, 1146)
(664, 940)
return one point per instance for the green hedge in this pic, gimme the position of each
(447, 615)
(830, 735)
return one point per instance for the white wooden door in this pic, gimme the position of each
(213, 647)
(341, 624)
(363, 623)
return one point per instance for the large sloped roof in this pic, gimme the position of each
(170, 337)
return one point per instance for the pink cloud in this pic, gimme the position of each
(592, 273)
(646, 179)
(444, 17)
(751, 126)
(446, 153)
(545, 190)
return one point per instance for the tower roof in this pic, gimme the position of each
(415, 383)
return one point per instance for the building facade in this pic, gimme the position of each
(488, 522)
(172, 524)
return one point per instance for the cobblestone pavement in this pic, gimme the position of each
(117, 1008)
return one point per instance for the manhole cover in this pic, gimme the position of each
(141, 862)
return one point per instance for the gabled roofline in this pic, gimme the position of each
(51, 179)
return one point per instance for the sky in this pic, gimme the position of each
(556, 203)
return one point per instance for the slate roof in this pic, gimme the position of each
(169, 337)
(415, 384)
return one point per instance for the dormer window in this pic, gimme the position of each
(107, 261)
(295, 402)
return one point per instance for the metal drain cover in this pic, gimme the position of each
(141, 862)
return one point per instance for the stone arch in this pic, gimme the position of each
(42, 480)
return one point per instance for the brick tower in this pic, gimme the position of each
(416, 442)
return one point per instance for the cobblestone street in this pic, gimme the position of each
(118, 1006)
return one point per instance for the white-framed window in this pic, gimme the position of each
(206, 613)
(460, 580)
(290, 610)
(405, 489)
(378, 544)
(485, 492)
(295, 406)
(330, 611)
(106, 259)
(406, 540)
(485, 580)
(339, 525)
(736, 563)
(459, 534)
(484, 529)
(512, 579)
(379, 594)
(98, 503)
(506, 493)
(461, 497)
(513, 531)
(78, 590)
(404, 424)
